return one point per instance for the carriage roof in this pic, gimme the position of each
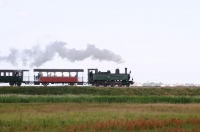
(12, 70)
(58, 70)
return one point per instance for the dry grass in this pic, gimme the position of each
(60, 117)
(76, 107)
(173, 124)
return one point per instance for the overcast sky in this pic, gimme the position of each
(159, 40)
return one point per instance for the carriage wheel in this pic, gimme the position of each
(45, 84)
(11, 83)
(19, 83)
(71, 84)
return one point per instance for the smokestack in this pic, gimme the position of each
(125, 70)
(37, 56)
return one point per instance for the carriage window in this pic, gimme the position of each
(7, 73)
(2, 73)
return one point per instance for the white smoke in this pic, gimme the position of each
(12, 57)
(37, 56)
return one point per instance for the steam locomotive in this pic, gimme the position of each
(109, 79)
(66, 76)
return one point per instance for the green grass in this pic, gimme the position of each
(62, 90)
(10, 98)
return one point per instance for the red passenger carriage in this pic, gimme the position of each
(53, 76)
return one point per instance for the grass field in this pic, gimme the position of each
(99, 109)
(99, 117)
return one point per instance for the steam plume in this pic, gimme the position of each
(37, 56)
(11, 58)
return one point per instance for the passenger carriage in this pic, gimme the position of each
(14, 77)
(55, 76)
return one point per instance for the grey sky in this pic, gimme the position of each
(158, 40)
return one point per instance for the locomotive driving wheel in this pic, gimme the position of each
(112, 85)
(119, 85)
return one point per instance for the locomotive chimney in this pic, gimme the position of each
(125, 70)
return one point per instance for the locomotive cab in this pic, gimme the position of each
(91, 72)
